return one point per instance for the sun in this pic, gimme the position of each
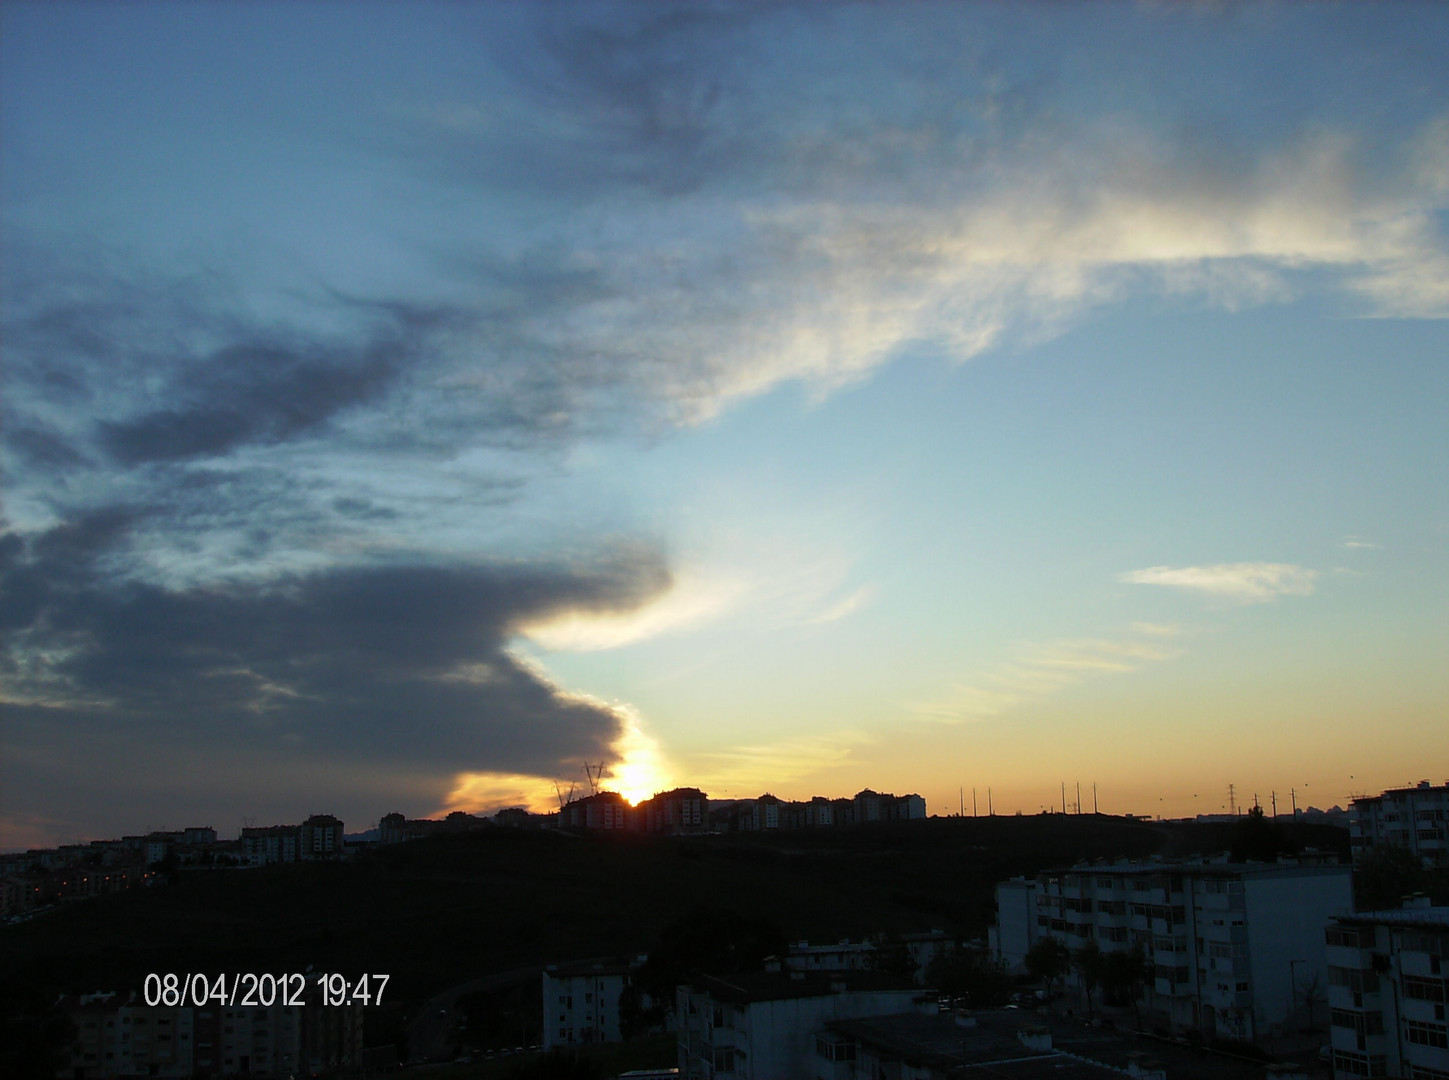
(640, 770)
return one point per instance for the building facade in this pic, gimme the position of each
(1414, 819)
(1388, 988)
(123, 1037)
(1235, 948)
(581, 1002)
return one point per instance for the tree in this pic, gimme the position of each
(1090, 965)
(1311, 994)
(1256, 839)
(971, 975)
(1384, 876)
(1124, 974)
(891, 956)
(1048, 960)
(715, 941)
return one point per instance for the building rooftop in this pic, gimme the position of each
(581, 968)
(1201, 867)
(989, 1044)
(1434, 917)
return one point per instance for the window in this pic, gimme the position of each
(1351, 937)
(1352, 1064)
(1416, 986)
(1424, 1034)
(1360, 1023)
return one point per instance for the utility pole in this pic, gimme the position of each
(961, 797)
(1094, 797)
(1274, 796)
(1232, 801)
(990, 812)
(973, 802)
(1293, 792)
(1064, 797)
(1079, 798)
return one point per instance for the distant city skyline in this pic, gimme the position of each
(403, 405)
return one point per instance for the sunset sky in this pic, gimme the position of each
(403, 404)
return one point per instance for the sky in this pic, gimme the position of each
(402, 405)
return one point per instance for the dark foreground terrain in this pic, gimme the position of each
(440, 912)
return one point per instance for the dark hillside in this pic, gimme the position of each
(438, 912)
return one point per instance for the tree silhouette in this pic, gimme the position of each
(1256, 839)
(1048, 960)
(1091, 966)
(1124, 974)
(891, 956)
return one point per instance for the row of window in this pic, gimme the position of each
(1426, 1034)
(1346, 1061)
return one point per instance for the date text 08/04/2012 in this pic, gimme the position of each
(249, 990)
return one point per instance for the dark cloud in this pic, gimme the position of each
(396, 668)
(250, 394)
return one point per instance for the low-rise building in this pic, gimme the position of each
(762, 1025)
(122, 1036)
(1388, 988)
(1232, 945)
(581, 1001)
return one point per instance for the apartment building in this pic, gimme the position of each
(121, 1036)
(320, 838)
(1413, 818)
(1236, 948)
(846, 955)
(762, 1025)
(269, 844)
(581, 1002)
(1388, 987)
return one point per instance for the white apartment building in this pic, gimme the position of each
(1235, 947)
(846, 955)
(1388, 987)
(763, 1025)
(1414, 818)
(581, 1002)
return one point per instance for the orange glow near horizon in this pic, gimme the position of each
(641, 770)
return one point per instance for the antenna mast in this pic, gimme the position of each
(564, 800)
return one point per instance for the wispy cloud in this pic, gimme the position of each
(1354, 543)
(844, 607)
(1247, 583)
(1038, 671)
